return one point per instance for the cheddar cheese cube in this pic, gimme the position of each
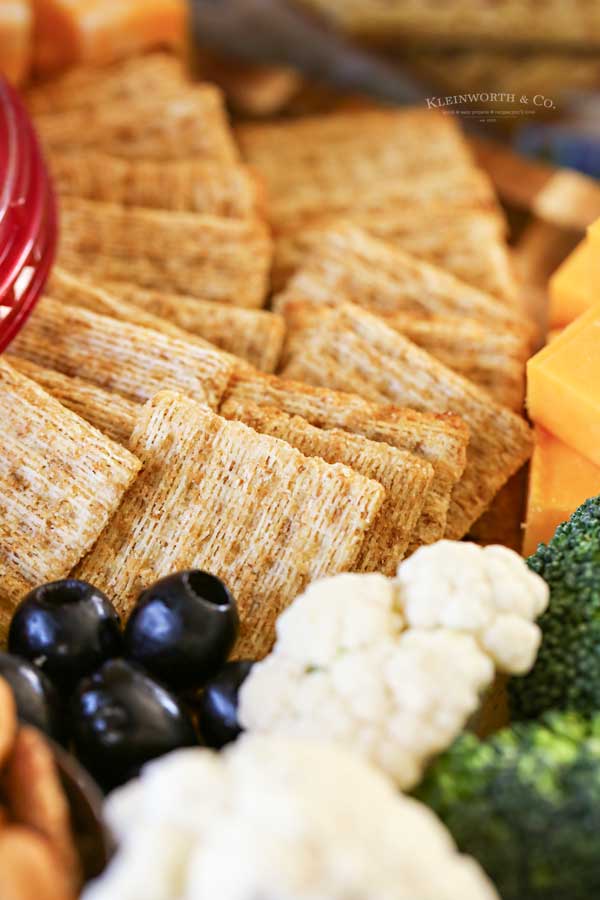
(96, 32)
(563, 386)
(572, 287)
(16, 27)
(559, 481)
(593, 239)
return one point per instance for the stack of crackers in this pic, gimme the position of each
(274, 354)
(38, 857)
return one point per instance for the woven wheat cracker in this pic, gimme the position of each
(252, 334)
(108, 412)
(220, 259)
(89, 87)
(367, 160)
(77, 291)
(133, 361)
(158, 126)
(347, 264)
(354, 350)
(469, 245)
(187, 185)
(217, 496)
(60, 482)
(438, 439)
(405, 478)
(491, 357)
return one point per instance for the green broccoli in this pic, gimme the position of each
(526, 804)
(567, 672)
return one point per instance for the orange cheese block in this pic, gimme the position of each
(16, 27)
(100, 31)
(572, 288)
(560, 480)
(563, 385)
(593, 239)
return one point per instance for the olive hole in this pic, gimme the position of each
(62, 592)
(208, 588)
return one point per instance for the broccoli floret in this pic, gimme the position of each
(567, 672)
(526, 804)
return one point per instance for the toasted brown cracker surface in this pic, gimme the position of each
(405, 478)
(60, 482)
(470, 245)
(215, 495)
(222, 259)
(252, 334)
(354, 350)
(187, 185)
(491, 357)
(123, 81)
(106, 411)
(77, 291)
(155, 126)
(133, 361)
(439, 439)
(362, 160)
(347, 264)
(407, 176)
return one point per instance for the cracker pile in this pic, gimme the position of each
(38, 856)
(306, 333)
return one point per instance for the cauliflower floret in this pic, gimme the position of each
(280, 820)
(488, 592)
(361, 610)
(398, 697)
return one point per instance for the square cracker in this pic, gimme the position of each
(405, 478)
(131, 360)
(77, 291)
(108, 412)
(87, 87)
(220, 259)
(251, 334)
(438, 439)
(356, 351)
(469, 244)
(182, 185)
(491, 357)
(158, 125)
(216, 495)
(347, 264)
(369, 160)
(407, 176)
(60, 482)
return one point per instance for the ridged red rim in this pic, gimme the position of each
(28, 218)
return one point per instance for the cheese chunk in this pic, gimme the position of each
(559, 481)
(563, 385)
(572, 287)
(100, 31)
(16, 21)
(593, 239)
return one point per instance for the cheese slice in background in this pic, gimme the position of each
(563, 386)
(593, 239)
(97, 32)
(573, 289)
(16, 32)
(560, 480)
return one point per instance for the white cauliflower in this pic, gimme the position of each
(488, 592)
(279, 820)
(396, 667)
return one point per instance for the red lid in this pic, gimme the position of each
(28, 227)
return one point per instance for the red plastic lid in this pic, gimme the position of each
(28, 221)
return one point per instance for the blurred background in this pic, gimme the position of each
(290, 58)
